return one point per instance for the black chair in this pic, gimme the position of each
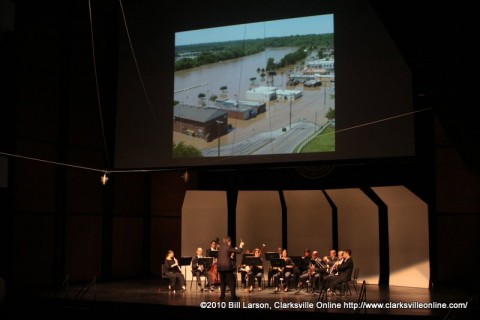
(353, 281)
(164, 276)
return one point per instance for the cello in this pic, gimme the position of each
(213, 252)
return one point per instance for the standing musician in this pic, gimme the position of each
(173, 271)
(227, 266)
(213, 268)
(255, 271)
(199, 270)
(284, 272)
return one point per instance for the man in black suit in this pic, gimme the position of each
(199, 270)
(344, 270)
(227, 266)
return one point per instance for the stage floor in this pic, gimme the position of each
(139, 297)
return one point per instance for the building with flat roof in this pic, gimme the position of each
(201, 122)
(289, 94)
(262, 94)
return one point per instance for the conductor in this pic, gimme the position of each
(227, 266)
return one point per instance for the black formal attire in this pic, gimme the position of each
(331, 261)
(198, 271)
(287, 273)
(226, 264)
(174, 274)
(315, 273)
(213, 272)
(272, 272)
(344, 274)
(256, 272)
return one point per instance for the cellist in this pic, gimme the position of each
(213, 252)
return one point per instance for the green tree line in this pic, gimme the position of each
(206, 53)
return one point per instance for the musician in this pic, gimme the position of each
(227, 266)
(213, 247)
(333, 270)
(212, 252)
(173, 271)
(305, 262)
(243, 271)
(255, 272)
(315, 274)
(285, 272)
(199, 270)
(331, 259)
(342, 271)
(273, 271)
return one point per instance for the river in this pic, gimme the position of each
(235, 74)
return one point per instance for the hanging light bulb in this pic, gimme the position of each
(185, 176)
(104, 178)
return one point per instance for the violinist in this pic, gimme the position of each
(173, 271)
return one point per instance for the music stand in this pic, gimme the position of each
(213, 254)
(251, 261)
(277, 262)
(206, 262)
(299, 262)
(271, 255)
(185, 261)
(245, 256)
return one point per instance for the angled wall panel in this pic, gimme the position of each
(259, 219)
(204, 218)
(408, 236)
(309, 221)
(358, 230)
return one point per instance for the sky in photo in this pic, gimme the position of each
(320, 24)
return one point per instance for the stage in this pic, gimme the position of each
(142, 298)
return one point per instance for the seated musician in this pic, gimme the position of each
(284, 273)
(255, 272)
(342, 272)
(242, 269)
(173, 271)
(316, 272)
(331, 259)
(199, 270)
(305, 262)
(272, 271)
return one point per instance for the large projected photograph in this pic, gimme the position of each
(264, 88)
